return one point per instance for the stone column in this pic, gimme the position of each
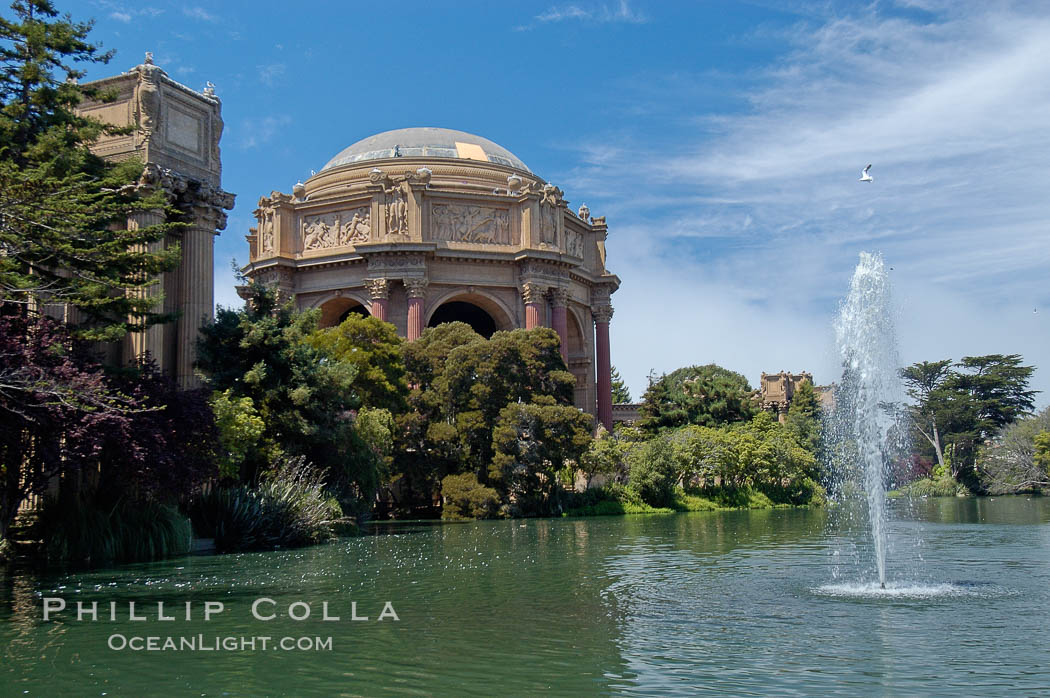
(560, 319)
(602, 316)
(532, 293)
(379, 292)
(416, 289)
(197, 293)
(150, 340)
(196, 273)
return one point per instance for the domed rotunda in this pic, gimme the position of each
(421, 226)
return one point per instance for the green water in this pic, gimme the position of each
(752, 602)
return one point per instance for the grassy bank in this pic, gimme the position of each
(932, 487)
(614, 501)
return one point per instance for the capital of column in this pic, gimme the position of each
(378, 289)
(416, 288)
(532, 292)
(208, 205)
(559, 296)
(157, 178)
(602, 313)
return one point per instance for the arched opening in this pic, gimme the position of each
(576, 346)
(461, 311)
(333, 312)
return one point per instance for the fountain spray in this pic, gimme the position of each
(870, 384)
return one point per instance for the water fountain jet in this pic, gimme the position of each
(870, 383)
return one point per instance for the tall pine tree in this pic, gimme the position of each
(63, 211)
(620, 394)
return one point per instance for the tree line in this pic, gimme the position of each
(972, 424)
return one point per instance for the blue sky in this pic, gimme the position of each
(722, 140)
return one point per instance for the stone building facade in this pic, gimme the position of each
(424, 225)
(175, 131)
(777, 389)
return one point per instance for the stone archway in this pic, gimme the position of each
(462, 311)
(577, 344)
(482, 313)
(334, 311)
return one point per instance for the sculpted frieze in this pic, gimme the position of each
(466, 223)
(540, 270)
(340, 229)
(394, 262)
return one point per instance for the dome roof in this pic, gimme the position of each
(426, 142)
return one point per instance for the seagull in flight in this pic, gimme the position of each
(864, 176)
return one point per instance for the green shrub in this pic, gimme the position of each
(758, 500)
(466, 498)
(653, 472)
(798, 492)
(613, 499)
(288, 509)
(729, 497)
(88, 532)
(607, 507)
(691, 501)
(940, 487)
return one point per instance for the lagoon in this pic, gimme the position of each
(775, 601)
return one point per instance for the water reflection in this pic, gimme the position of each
(735, 602)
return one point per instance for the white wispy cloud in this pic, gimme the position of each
(125, 13)
(257, 132)
(752, 226)
(270, 74)
(620, 12)
(200, 13)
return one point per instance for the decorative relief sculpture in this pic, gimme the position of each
(550, 200)
(266, 232)
(147, 103)
(573, 243)
(216, 135)
(337, 229)
(359, 228)
(320, 232)
(395, 262)
(396, 208)
(477, 224)
(534, 269)
(396, 191)
(599, 222)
